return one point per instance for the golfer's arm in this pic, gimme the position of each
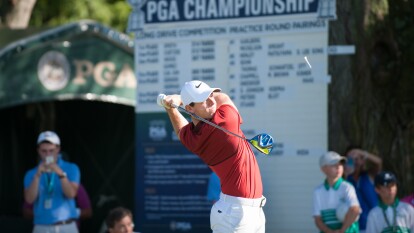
(222, 98)
(178, 121)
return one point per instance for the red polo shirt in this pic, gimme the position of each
(230, 157)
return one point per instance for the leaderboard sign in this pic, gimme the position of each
(255, 52)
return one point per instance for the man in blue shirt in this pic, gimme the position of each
(361, 176)
(52, 187)
(214, 188)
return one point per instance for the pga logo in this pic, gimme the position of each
(53, 70)
(180, 226)
(157, 131)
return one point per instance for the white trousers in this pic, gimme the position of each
(238, 215)
(65, 228)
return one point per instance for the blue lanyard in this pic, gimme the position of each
(50, 180)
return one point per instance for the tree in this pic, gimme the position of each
(16, 13)
(113, 13)
(370, 97)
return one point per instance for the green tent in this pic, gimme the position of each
(78, 80)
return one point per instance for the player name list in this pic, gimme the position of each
(243, 61)
(256, 66)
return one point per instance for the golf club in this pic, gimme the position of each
(262, 142)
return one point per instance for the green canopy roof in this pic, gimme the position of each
(82, 60)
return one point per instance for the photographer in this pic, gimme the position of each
(52, 187)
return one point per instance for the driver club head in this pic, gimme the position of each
(263, 142)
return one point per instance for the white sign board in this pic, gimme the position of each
(341, 50)
(260, 65)
(256, 55)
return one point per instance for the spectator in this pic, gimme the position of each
(333, 193)
(83, 204)
(213, 189)
(119, 220)
(409, 199)
(361, 176)
(230, 157)
(390, 215)
(52, 187)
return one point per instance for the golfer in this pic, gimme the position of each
(239, 208)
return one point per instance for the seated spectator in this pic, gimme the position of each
(119, 220)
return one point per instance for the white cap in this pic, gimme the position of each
(331, 158)
(48, 136)
(196, 92)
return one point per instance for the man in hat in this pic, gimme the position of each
(239, 208)
(52, 187)
(334, 195)
(390, 215)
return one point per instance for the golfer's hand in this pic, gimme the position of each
(170, 101)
